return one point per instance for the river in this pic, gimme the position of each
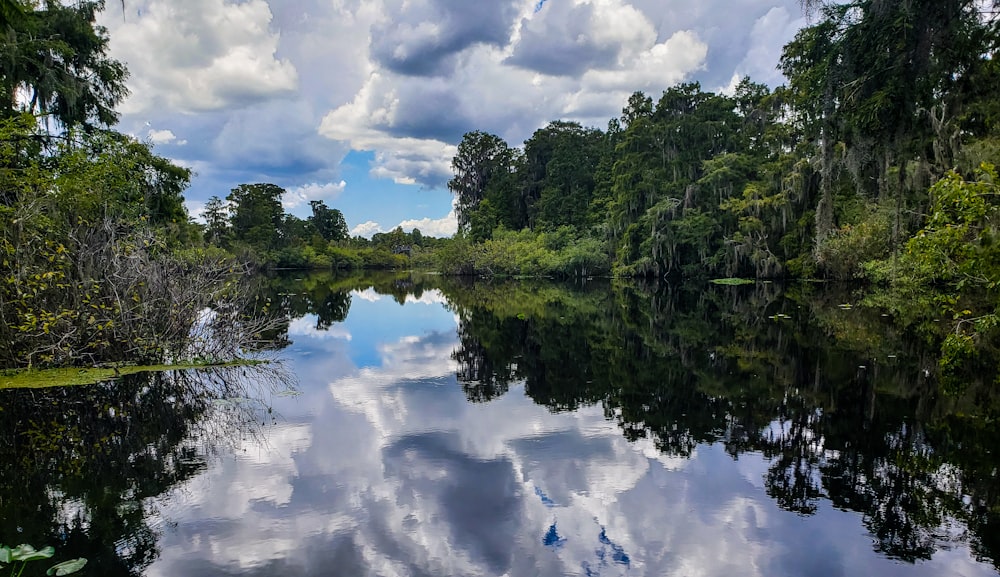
(419, 425)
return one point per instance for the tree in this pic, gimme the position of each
(216, 215)
(257, 215)
(58, 57)
(329, 223)
(558, 174)
(481, 158)
(885, 79)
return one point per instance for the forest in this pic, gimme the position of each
(872, 164)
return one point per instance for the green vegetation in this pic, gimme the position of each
(874, 163)
(252, 224)
(19, 556)
(45, 378)
(99, 263)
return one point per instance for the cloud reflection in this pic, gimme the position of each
(386, 469)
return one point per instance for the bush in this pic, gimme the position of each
(843, 254)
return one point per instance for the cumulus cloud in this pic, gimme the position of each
(376, 119)
(266, 91)
(439, 227)
(436, 227)
(423, 37)
(366, 229)
(163, 137)
(565, 39)
(302, 195)
(576, 61)
(198, 55)
(663, 64)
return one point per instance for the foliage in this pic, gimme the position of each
(57, 55)
(481, 159)
(560, 253)
(957, 257)
(90, 257)
(328, 222)
(24, 553)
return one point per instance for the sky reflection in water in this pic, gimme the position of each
(382, 467)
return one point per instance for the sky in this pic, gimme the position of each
(361, 103)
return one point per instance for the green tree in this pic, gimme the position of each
(887, 81)
(481, 157)
(216, 215)
(329, 222)
(257, 215)
(58, 57)
(558, 174)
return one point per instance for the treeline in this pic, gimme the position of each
(818, 178)
(874, 162)
(252, 224)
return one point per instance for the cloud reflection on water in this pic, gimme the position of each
(387, 469)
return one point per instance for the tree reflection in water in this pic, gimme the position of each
(85, 464)
(842, 403)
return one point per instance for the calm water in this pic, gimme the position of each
(421, 426)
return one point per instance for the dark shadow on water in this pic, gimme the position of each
(82, 463)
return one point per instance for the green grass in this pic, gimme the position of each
(732, 281)
(45, 378)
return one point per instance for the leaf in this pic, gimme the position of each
(28, 553)
(5, 555)
(67, 567)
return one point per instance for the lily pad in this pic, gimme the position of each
(28, 553)
(67, 567)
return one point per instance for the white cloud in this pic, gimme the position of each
(368, 122)
(769, 34)
(268, 91)
(199, 55)
(440, 227)
(305, 326)
(366, 229)
(161, 136)
(195, 209)
(662, 65)
(301, 195)
(411, 121)
(436, 227)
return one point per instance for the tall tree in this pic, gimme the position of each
(216, 216)
(329, 222)
(481, 158)
(257, 215)
(558, 176)
(54, 62)
(883, 78)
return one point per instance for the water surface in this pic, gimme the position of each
(424, 426)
